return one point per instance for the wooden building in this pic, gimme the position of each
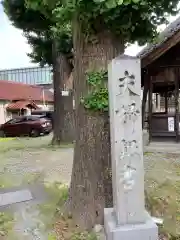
(161, 79)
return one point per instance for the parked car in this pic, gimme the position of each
(47, 113)
(32, 126)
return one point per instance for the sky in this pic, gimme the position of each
(14, 47)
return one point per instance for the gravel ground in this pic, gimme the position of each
(26, 157)
(22, 159)
(25, 161)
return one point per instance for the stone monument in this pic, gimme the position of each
(128, 220)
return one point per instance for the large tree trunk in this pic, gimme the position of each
(91, 185)
(61, 72)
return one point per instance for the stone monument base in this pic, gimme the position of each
(146, 231)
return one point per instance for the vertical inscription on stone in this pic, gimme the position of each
(126, 139)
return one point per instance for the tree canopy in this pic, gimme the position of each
(133, 20)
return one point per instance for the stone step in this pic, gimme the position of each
(15, 197)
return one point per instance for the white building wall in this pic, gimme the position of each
(7, 115)
(45, 106)
(4, 115)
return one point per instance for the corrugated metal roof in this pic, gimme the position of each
(171, 29)
(19, 91)
(32, 75)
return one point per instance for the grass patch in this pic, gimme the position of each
(30, 144)
(6, 139)
(20, 144)
(148, 153)
(6, 224)
(8, 180)
(63, 145)
(63, 227)
(32, 178)
(84, 236)
(65, 230)
(162, 184)
(58, 194)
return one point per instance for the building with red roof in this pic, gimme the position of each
(19, 99)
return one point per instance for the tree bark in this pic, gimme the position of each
(91, 184)
(61, 72)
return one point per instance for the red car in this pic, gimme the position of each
(32, 126)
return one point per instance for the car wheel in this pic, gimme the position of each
(46, 133)
(2, 134)
(34, 133)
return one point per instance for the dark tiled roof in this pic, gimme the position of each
(19, 91)
(171, 29)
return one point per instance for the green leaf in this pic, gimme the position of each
(132, 28)
(135, 7)
(111, 3)
(120, 2)
(136, 1)
(52, 237)
(99, 1)
(143, 3)
(126, 2)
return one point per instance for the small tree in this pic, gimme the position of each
(62, 69)
(101, 29)
(38, 28)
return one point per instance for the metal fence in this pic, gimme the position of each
(32, 75)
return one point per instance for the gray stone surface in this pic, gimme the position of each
(38, 195)
(15, 197)
(28, 225)
(126, 139)
(128, 219)
(145, 231)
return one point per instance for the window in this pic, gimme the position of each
(35, 117)
(32, 118)
(16, 120)
(12, 121)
